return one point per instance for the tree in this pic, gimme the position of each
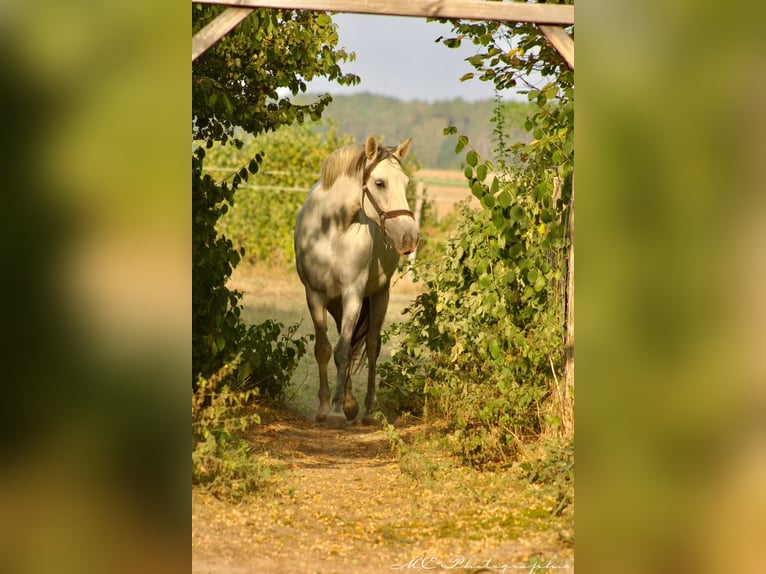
(235, 84)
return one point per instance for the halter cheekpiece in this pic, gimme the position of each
(383, 215)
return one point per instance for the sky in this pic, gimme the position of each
(397, 56)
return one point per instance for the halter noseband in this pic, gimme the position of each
(383, 215)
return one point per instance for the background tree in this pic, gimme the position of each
(236, 84)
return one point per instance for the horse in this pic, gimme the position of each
(349, 235)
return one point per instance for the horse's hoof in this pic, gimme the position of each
(336, 420)
(370, 420)
(351, 411)
(321, 418)
(350, 407)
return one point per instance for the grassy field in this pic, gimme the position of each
(444, 188)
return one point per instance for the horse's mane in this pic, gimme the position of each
(349, 160)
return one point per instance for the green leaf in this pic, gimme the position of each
(517, 213)
(476, 60)
(494, 349)
(468, 172)
(498, 219)
(552, 92)
(462, 141)
(488, 201)
(466, 77)
(504, 199)
(481, 172)
(472, 158)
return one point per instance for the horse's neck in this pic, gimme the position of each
(346, 196)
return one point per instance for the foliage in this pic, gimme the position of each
(262, 219)
(472, 351)
(553, 468)
(223, 462)
(269, 358)
(484, 344)
(234, 85)
(216, 326)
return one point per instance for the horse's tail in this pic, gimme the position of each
(359, 338)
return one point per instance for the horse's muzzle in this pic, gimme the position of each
(409, 243)
(402, 234)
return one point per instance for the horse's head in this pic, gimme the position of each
(384, 194)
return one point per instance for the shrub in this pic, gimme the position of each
(475, 351)
(269, 359)
(223, 462)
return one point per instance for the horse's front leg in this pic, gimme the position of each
(322, 349)
(378, 308)
(344, 405)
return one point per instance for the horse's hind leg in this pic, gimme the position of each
(378, 308)
(322, 350)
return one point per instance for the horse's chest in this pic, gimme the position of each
(381, 269)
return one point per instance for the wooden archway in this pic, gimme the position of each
(549, 17)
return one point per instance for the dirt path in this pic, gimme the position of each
(344, 502)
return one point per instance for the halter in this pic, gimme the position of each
(383, 215)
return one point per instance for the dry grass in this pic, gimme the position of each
(346, 504)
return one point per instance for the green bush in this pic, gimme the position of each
(223, 461)
(269, 358)
(478, 347)
(484, 347)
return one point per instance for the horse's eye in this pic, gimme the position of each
(380, 183)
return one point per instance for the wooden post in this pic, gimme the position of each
(419, 192)
(549, 17)
(217, 29)
(553, 14)
(567, 418)
(561, 41)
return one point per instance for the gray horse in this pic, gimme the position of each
(349, 235)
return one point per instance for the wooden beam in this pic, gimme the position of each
(567, 418)
(217, 29)
(554, 14)
(561, 41)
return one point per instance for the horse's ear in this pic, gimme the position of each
(403, 149)
(371, 148)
